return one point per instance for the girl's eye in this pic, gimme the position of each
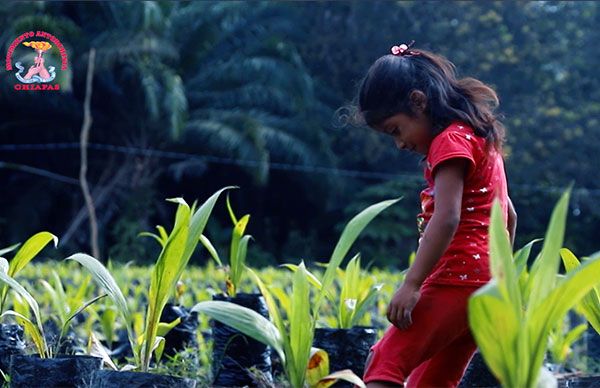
(395, 131)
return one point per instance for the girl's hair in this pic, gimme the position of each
(386, 89)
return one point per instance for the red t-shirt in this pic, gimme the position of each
(466, 261)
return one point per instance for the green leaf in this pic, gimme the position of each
(211, 249)
(230, 211)
(22, 292)
(105, 280)
(590, 304)
(159, 347)
(3, 265)
(171, 263)
(162, 233)
(273, 310)
(107, 323)
(11, 248)
(164, 328)
(245, 320)
(239, 264)
(501, 259)
(33, 330)
(522, 256)
(312, 278)
(495, 327)
(347, 238)
(29, 250)
(65, 324)
(350, 292)
(164, 276)
(557, 303)
(152, 235)
(283, 298)
(544, 269)
(362, 305)
(301, 326)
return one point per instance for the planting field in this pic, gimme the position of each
(296, 324)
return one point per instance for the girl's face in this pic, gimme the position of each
(409, 133)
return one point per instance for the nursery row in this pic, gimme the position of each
(303, 324)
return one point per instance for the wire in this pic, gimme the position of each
(413, 178)
(211, 159)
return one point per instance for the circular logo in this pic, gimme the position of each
(29, 58)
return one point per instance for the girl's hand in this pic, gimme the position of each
(403, 302)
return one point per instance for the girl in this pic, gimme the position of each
(415, 97)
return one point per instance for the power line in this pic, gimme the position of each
(209, 158)
(413, 178)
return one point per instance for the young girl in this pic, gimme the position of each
(414, 96)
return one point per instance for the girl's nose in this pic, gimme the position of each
(399, 143)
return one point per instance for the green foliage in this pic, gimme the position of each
(510, 326)
(177, 248)
(590, 305)
(204, 78)
(391, 237)
(349, 235)
(292, 340)
(238, 249)
(24, 255)
(561, 339)
(357, 293)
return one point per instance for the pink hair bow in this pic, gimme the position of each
(402, 49)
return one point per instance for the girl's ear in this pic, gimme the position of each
(418, 101)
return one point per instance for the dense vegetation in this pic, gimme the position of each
(236, 93)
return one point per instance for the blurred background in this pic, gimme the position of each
(189, 97)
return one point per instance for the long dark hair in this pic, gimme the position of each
(386, 88)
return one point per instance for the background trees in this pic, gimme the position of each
(245, 93)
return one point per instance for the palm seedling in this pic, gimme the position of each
(292, 338)
(177, 248)
(511, 316)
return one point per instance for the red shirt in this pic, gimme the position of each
(466, 261)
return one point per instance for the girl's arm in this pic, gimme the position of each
(512, 222)
(449, 182)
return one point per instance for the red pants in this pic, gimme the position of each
(435, 350)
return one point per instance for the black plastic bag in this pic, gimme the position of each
(61, 371)
(478, 374)
(183, 335)
(234, 353)
(111, 379)
(347, 348)
(11, 342)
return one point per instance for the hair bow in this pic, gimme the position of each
(402, 49)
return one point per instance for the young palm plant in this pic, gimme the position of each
(357, 292)
(590, 304)
(177, 248)
(292, 340)
(24, 255)
(512, 316)
(237, 251)
(8, 270)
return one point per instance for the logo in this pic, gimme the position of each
(41, 52)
